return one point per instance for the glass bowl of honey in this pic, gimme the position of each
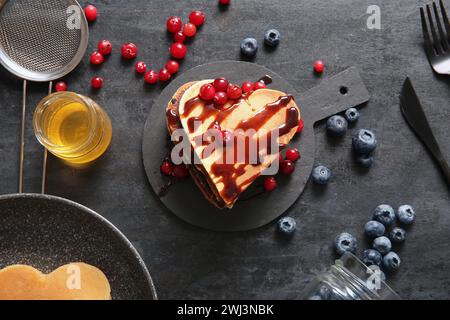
(72, 127)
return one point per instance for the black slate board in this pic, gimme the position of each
(186, 201)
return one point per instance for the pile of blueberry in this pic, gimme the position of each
(381, 254)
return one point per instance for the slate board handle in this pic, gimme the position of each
(334, 95)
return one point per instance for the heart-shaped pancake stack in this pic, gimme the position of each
(259, 120)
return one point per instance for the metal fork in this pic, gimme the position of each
(437, 46)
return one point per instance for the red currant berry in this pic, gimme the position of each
(287, 167)
(280, 158)
(164, 75)
(319, 66)
(97, 82)
(259, 85)
(97, 58)
(189, 29)
(247, 86)
(178, 50)
(104, 47)
(166, 168)
(60, 86)
(207, 91)
(292, 154)
(91, 13)
(179, 37)
(221, 84)
(140, 67)
(151, 77)
(129, 51)
(224, 2)
(172, 66)
(180, 171)
(270, 184)
(220, 98)
(197, 17)
(234, 92)
(174, 24)
(300, 126)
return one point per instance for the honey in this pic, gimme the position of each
(72, 127)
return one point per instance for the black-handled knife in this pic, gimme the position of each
(413, 112)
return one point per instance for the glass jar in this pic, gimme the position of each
(350, 279)
(72, 127)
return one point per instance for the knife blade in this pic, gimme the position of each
(414, 114)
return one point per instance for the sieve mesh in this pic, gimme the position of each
(34, 34)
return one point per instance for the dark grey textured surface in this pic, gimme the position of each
(187, 262)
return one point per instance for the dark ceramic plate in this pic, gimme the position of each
(184, 199)
(47, 232)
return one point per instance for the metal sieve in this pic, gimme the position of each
(41, 41)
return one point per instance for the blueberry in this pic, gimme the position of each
(406, 214)
(385, 214)
(337, 126)
(272, 37)
(374, 229)
(286, 225)
(371, 257)
(364, 141)
(391, 261)
(397, 235)
(382, 245)
(249, 47)
(321, 174)
(352, 115)
(377, 271)
(365, 160)
(345, 242)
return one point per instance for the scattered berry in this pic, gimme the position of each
(221, 84)
(174, 24)
(397, 235)
(382, 245)
(197, 18)
(224, 2)
(129, 50)
(270, 184)
(97, 58)
(60, 86)
(374, 229)
(140, 67)
(319, 66)
(220, 98)
(292, 154)
(286, 225)
(365, 160)
(179, 37)
(406, 214)
(172, 66)
(337, 126)
(249, 47)
(345, 242)
(189, 29)
(391, 261)
(384, 214)
(364, 141)
(287, 167)
(259, 85)
(164, 75)
(300, 126)
(272, 38)
(207, 91)
(234, 91)
(352, 115)
(97, 82)
(247, 86)
(104, 47)
(321, 175)
(166, 168)
(371, 257)
(178, 50)
(180, 171)
(151, 77)
(91, 13)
